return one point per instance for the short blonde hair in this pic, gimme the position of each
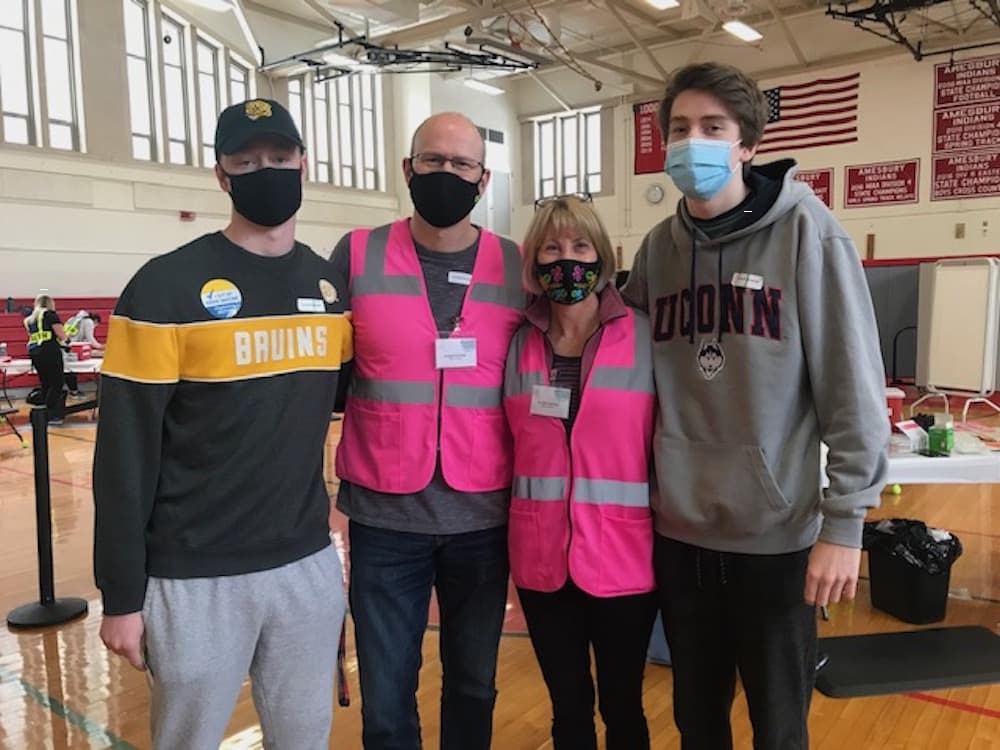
(559, 216)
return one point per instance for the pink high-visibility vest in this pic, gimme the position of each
(401, 407)
(581, 507)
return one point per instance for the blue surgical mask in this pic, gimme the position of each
(699, 168)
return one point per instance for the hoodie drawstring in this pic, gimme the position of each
(692, 292)
(722, 308)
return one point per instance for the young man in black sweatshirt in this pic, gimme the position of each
(212, 547)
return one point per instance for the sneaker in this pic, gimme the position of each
(55, 422)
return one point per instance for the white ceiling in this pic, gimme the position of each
(630, 40)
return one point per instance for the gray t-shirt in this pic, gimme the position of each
(437, 509)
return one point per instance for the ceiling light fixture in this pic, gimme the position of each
(484, 87)
(664, 4)
(741, 31)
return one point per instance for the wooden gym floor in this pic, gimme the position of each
(59, 688)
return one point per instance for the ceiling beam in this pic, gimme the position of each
(786, 30)
(595, 60)
(609, 4)
(550, 91)
(646, 18)
(328, 16)
(435, 30)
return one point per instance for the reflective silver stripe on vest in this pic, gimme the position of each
(393, 391)
(516, 383)
(611, 492)
(510, 294)
(638, 377)
(484, 397)
(374, 279)
(540, 488)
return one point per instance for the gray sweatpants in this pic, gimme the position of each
(280, 626)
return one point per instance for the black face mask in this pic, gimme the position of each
(443, 198)
(568, 281)
(267, 197)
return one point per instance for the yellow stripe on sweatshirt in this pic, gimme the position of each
(237, 348)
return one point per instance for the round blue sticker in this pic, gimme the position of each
(221, 298)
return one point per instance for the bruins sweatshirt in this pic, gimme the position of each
(218, 382)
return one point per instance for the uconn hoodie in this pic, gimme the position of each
(765, 344)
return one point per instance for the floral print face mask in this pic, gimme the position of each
(568, 281)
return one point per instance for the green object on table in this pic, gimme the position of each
(941, 440)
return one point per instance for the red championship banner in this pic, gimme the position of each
(882, 184)
(975, 175)
(967, 81)
(970, 127)
(650, 153)
(821, 182)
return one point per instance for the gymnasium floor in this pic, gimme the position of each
(61, 689)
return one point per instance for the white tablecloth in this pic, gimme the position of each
(910, 468)
(23, 366)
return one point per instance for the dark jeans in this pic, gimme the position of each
(48, 363)
(563, 626)
(392, 574)
(723, 612)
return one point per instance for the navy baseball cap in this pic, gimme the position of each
(242, 122)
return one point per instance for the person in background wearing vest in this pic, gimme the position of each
(765, 337)
(425, 457)
(212, 547)
(45, 340)
(580, 401)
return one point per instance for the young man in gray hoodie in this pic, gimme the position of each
(765, 345)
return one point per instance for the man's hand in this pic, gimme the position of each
(832, 574)
(123, 635)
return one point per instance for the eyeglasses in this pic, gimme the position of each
(432, 162)
(582, 197)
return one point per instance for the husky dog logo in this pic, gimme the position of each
(257, 108)
(711, 359)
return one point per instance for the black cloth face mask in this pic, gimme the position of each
(267, 197)
(443, 198)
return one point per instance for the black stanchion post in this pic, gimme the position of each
(48, 610)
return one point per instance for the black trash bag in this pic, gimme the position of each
(931, 550)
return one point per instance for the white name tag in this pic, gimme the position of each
(548, 401)
(455, 352)
(305, 304)
(748, 280)
(459, 277)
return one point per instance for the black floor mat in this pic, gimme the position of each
(884, 663)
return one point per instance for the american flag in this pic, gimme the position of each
(822, 112)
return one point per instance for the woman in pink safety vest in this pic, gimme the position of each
(580, 399)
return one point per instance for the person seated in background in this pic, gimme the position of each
(82, 331)
(580, 400)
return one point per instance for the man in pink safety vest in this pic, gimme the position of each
(425, 458)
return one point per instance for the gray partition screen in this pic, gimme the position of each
(895, 294)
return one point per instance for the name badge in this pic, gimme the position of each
(305, 304)
(459, 277)
(453, 353)
(549, 401)
(748, 280)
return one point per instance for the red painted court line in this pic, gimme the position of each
(56, 480)
(955, 704)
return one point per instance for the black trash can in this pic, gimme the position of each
(910, 568)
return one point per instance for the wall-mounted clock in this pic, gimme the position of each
(654, 193)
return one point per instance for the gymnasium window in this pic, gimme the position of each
(568, 153)
(39, 66)
(179, 78)
(341, 123)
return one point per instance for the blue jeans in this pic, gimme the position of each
(392, 573)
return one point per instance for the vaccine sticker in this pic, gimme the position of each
(329, 291)
(221, 298)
